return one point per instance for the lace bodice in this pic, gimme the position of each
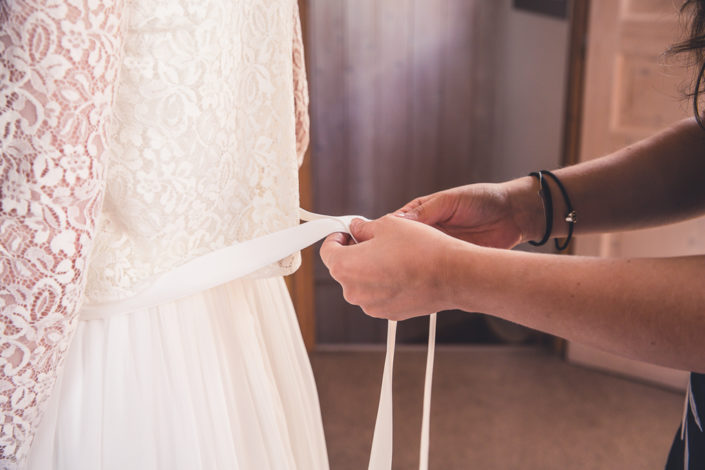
(185, 116)
(204, 141)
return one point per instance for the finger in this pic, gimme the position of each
(331, 246)
(362, 230)
(431, 210)
(411, 205)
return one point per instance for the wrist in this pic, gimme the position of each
(468, 277)
(451, 274)
(526, 207)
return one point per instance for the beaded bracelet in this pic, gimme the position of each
(547, 201)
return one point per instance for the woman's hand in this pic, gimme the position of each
(493, 215)
(400, 268)
(397, 270)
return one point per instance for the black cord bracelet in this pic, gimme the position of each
(547, 201)
(571, 217)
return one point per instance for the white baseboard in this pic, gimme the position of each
(596, 359)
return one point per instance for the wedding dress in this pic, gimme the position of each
(136, 136)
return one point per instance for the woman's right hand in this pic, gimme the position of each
(492, 215)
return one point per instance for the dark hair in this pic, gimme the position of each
(695, 45)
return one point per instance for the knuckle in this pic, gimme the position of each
(333, 270)
(417, 202)
(349, 296)
(387, 218)
(337, 269)
(326, 255)
(374, 312)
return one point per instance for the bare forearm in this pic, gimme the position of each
(646, 309)
(656, 181)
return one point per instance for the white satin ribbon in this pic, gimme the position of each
(236, 261)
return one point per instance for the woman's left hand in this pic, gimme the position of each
(397, 270)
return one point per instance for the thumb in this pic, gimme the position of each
(362, 230)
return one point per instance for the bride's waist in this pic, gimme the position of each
(105, 298)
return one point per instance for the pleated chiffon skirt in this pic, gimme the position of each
(218, 380)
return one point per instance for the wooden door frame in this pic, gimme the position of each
(577, 56)
(301, 283)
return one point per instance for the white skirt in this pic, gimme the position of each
(218, 380)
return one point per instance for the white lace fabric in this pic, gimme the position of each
(180, 114)
(212, 97)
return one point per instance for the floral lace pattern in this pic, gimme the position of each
(59, 60)
(212, 98)
(143, 135)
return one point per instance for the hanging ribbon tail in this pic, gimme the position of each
(428, 383)
(382, 441)
(383, 438)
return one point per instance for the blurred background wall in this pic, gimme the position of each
(409, 97)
